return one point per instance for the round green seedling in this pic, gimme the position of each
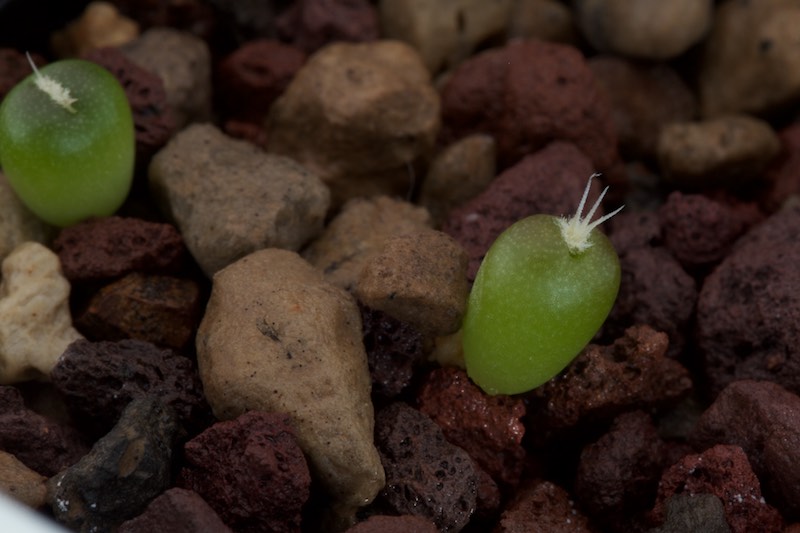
(543, 290)
(67, 142)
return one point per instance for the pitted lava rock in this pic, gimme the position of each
(107, 248)
(394, 349)
(177, 511)
(489, 428)
(99, 379)
(605, 381)
(425, 475)
(43, 445)
(764, 419)
(253, 76)
(618, 474)
(251, 471)
(749, 308)
(311, 24)
(394, 524)
(630, 230)
(153, 120)
(724, 472)
(699, 230)
(550, 181)
(527, 94)
(163, 310)
(542, 507)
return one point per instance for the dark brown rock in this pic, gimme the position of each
(98, 380)
(425, 475)
(153, 120)
(251, 471)
(311, 24)
(126, 469)
(177, 511)
(394, 524)
(618, 474)
(489, 428)
(107, 248)
(630, 230)
(749, 308)
(42, 444)
(699, 231)
(764, 419)
(162, 310)
(605, 381)
(527, 94)
(551, 181)
(394, 349)
(253, 76)
(724, 472)
(693, 512)
(542, 507)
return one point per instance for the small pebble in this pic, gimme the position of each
(358, 116)
(425, 475)
(694, 512)
(526, 95)
(122, 473)
(35, 321)
(548, 20)
(162, 310)
(177, 511)
(729, 151)
(444, 33)
(359, 231)
(311, 24)
(724, 472)
(251, 471)
(107, 248)
(20, 482)
(42, 444)
(99, 379)
(542, 507)
(771, 436)
(183, 62)
(209, 183)
(419, 278)
(17, 223)
(277, 337)
(644, 30)
(101, 25)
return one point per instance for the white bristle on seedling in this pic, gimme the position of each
(57, 92)
(576, 229)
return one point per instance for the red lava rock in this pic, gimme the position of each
(254, 75)
(14, 68)
(699, 230)
(489, 428)
(724, 472)
(630, 230)
(551, 181)
(177, 511)
(783, 175)
(394, 524)
(527, 94)
(605, 381)
(311, 24)
(99, 379)
(618, 474)
(44, 445)
(542, 507)
(163, 310)
(251, 471)
(153, 120)
(764, 419)
(749, 308)
(394, 349)
(106, 248)
(425, 475)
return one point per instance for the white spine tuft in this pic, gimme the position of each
(576, 230)
(57, 92)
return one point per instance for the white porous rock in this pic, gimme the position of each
(277, 337)
(17, 223)
(35, 322)
(229, 198)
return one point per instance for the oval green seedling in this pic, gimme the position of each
(541, 293)
(67, 141)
